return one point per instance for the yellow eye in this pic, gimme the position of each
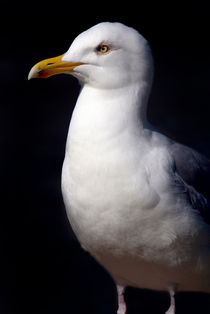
(102, 49)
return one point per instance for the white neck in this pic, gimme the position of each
(107, 113)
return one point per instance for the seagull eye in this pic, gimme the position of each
(102, 49)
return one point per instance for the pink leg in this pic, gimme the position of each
(121, 301)
(171, 309)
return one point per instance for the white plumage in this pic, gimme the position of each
(124, 192)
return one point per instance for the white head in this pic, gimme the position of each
(108, 55)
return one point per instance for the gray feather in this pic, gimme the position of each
(193, 172)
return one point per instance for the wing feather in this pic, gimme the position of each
(193, 169)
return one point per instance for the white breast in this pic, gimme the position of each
(103, 189)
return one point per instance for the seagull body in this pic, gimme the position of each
(130, 209)
(130, 192)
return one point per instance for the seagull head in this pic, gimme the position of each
(107, 55)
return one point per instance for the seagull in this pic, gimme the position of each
(136, 200)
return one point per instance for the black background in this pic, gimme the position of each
(43, 269)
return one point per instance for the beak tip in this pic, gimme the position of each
(33, 73)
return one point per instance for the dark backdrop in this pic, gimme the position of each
(42, 267)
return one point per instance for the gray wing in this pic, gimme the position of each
(194, 170)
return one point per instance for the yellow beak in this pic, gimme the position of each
(52, 66)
